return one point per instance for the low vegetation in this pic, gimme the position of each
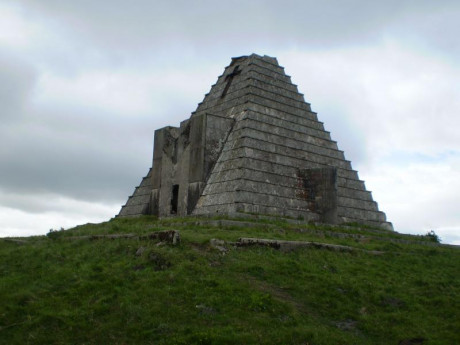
(71, 288)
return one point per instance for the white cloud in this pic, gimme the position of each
(61, 212)
(396, 98)
(450, 235)
(419, 196)
(133, 92)
(15, 32)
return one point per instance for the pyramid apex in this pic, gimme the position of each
(238, 59)
(266, 58)
(270, 59)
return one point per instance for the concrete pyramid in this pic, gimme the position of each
(253, 146)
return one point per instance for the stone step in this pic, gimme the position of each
(264, 77)
(225, 104)
(139, 202)
(351, 183)
(284, 180)
(259, 96)
(297, 213)
(217, 90)
(291, 192)
(301, 132)
(138, 199)
(274, 88)
(135, 210)
(357, 203)
(279, 136)
(258, 198)
(240, 157)
(244, 87)
(246, 208)
(296, 115)
(262, 68)
(145, 190)
(281, 97)
(377, 224)
(360, 214)
(266, 150)
(272, 65)
(258, 81)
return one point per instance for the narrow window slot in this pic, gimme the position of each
(174, 198)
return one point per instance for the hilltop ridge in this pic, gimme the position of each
(191, 281)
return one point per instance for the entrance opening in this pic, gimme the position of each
(174, 198)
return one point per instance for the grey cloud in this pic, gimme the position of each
(149, 26)
(435, 28)
(86, 161)
(17, 82)
(70, 147)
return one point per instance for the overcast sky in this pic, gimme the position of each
(84, 84)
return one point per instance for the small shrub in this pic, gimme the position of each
(433, 237)
(54, 234)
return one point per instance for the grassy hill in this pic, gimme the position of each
(380, 287)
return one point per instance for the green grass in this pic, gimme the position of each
(56, 290)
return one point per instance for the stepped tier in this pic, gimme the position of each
(139, 202)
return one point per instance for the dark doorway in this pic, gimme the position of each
(174, 198)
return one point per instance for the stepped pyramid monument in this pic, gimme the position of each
(253, 146)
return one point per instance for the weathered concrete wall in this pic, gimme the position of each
(319, 188)
(171, 161)
(183, 158)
